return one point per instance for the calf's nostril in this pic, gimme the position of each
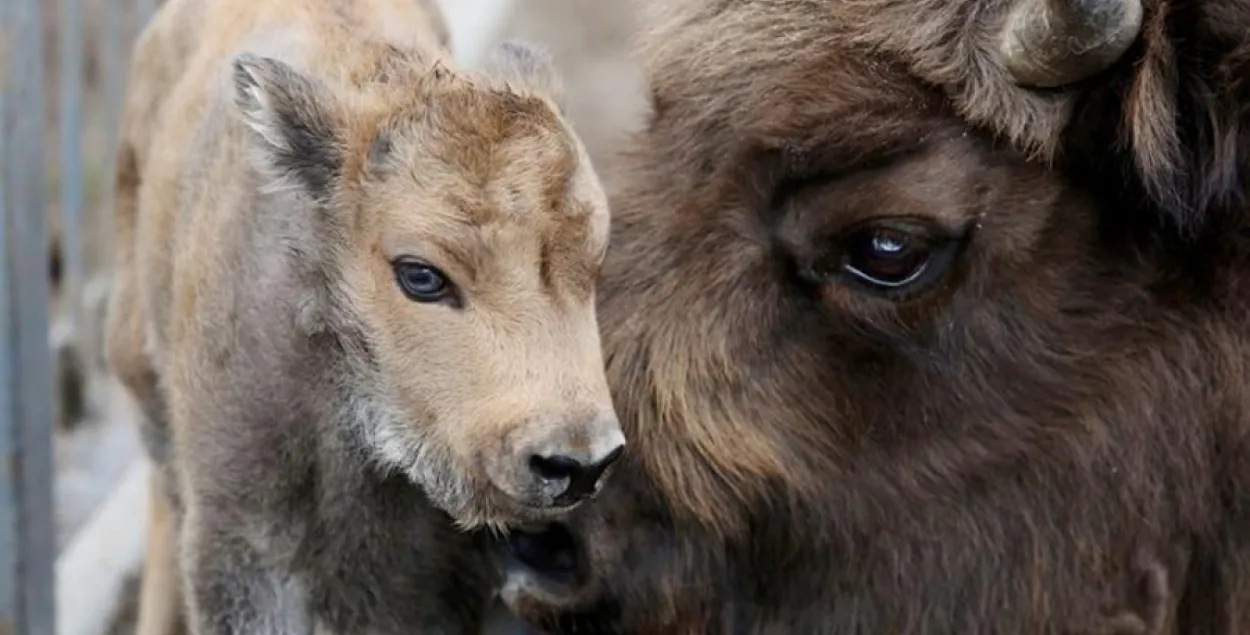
(581, 477)
(555, 467)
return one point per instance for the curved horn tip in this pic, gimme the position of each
(1054, 43)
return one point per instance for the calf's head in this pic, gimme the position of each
(453, 233)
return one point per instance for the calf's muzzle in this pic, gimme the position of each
(558, 462)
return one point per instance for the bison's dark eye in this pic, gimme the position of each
(885, 256)
(421, 282)
(891, 256)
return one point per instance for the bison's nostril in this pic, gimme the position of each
(581, 477)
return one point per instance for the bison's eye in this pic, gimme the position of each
(890, 256)
(421, 282)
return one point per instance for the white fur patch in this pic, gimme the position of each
(396, 445)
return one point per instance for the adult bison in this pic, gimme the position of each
(925, 316)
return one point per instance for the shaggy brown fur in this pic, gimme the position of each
(1049, 433)
(290, 171)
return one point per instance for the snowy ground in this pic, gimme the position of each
(90, 461)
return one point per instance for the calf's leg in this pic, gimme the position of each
(160, 592)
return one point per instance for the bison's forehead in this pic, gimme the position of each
(1128, 123)
(741, 81)
(852, 46)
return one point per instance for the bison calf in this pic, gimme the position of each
(355, 302)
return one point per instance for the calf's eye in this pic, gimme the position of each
(421, 282)
(891, 256)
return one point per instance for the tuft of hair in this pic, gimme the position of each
(1186, 112)
(528, 67)
(290, 119)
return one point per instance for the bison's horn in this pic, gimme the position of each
(1050, 43)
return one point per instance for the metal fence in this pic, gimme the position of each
(62, 68)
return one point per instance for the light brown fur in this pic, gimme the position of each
(311, 421)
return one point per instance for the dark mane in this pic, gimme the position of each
(1176, 114)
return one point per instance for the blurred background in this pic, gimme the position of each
(62, 72)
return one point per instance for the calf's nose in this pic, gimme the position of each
(570, 472)
(580, 478)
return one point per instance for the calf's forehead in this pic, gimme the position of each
(506, 199)
(533, 187)
(501, 156)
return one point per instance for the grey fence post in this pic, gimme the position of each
(114, 46)
(69, 35)
(143, 11)
(27, 532)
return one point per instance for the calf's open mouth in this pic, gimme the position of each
(547, 556)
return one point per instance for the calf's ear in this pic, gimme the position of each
(290, 123)
(529, 67)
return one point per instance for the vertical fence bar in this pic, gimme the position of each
(10, 578)
(143, 10)
(27, 531)
(67, 325)
(72, 196)
(112, 75)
